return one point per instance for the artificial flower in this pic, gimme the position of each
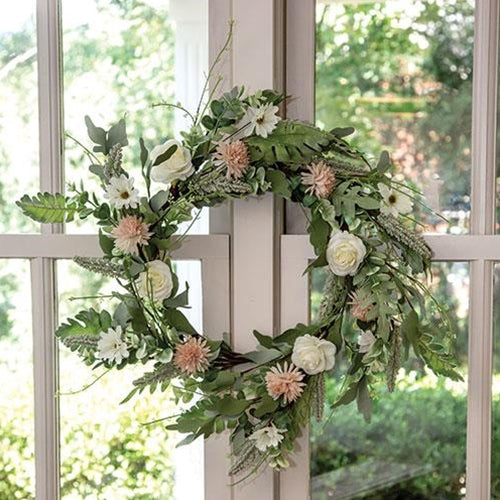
(156, 281)
(262, 120)
(268, 437)
(130, 233)
(121, 192)
(344, 253)
(192, 356)
(319, 178)
(177, 167)
(366, 340)
(313, 355)
(358, 311)
(285, 381)
(111, 346)
(234, 156)
(394, 202)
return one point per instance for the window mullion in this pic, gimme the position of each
(43, 269)
(484, 117)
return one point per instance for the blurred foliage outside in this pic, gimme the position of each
(118, 59)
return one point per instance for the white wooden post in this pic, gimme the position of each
(255, 243)
(43, 269)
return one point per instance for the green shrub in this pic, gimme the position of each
(424, 424)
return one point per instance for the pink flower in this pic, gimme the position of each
(192, 356)
(130, 233)
(357, 309)
(320, 178)
(285, 381)
(233, 155)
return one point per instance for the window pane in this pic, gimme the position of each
(122, 58)
(17, 465)
(105, 446)
(495, 450)
(414, 447)
(18, 114)
(400, 73)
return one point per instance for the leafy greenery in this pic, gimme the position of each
(48, 208)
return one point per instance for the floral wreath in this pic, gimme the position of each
(362, 235)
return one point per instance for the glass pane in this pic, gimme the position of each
(18, 114)
(400, 73)
(17, 442)
(122, 58)
(106, 450)
(495, 450)
(414, 447)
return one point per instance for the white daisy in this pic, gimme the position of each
(268, 437)
(121, 192)
(262, 120)
(394, 202)
(111, 346)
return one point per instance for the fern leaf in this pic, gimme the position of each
(89, 322)
(48, 208)
(291, 142)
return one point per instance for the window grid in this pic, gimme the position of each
(481, 247)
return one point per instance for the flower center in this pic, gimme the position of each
(392, 199)
(124, 195)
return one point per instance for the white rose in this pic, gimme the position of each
(313, 355)
(177, 167)
(156, 282)
(345, 253)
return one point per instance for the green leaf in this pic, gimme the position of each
(224, 380)
(99, 171)
(166, 155)
(347, 396)
(144, 152)
(410, 328)
(96, 134)
(48, 208)
(106, 243)
(264, 340)
(364, 400)
(261, 357)
(279, 182)
(231, 407)
(266, 406)
(117, 134)
(291, 142)
(178, 321)
(181, 300)
(88, 322)
(158, 200)
(384, 163)
(319, 231)
(342, 131)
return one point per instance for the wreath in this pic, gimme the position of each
(363, 236)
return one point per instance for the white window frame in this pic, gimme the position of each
(52, 243)
(481, 248)
(249, 257)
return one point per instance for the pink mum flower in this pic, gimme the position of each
(357, 310)
(285, 381)
(234, 155)
(130, 233)
(192, 356)
(320, 178)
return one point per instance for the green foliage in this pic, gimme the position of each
(292, 143)
(48, 208)
(424, 427)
